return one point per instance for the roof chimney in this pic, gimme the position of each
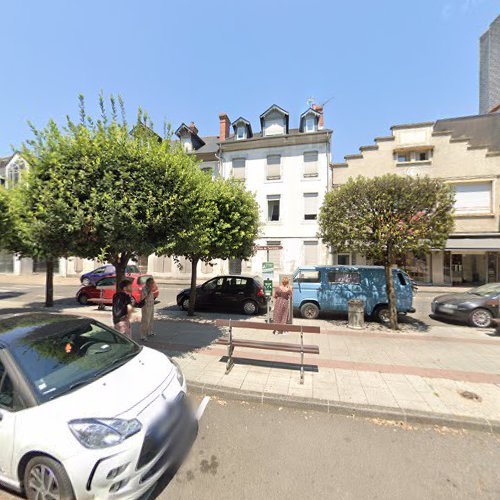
(225, 126)
(319, 109)
(193, 128)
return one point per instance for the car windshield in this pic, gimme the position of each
(132, 270)
(59, 363)
(489, 290)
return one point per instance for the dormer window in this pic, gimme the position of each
(186, 142)
(241, 132)
(310, 124)
(242, 129)
(274, 121)
(310, 120)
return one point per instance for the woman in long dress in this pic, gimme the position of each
(148, 309)
(282, 296)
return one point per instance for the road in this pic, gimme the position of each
(250, 451)
(64, 295)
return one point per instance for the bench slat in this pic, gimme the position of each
(268, 326)
(271, 346)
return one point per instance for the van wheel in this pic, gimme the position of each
(382, 315)
(309, 310)
(46, 479)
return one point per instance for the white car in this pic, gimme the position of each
(85, 412)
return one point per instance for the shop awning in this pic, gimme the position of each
(485, 244)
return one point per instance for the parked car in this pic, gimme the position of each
(92, 277)
(477, 306)
(236, 292)
(329, 288)
(75, 422)
(107, 287)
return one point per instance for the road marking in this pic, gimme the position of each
(201, 409)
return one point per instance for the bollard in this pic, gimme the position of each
(356, 312)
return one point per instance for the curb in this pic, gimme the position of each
(351, 409)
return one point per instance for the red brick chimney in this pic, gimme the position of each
(193, 128)
(319, 109)
(225, 126)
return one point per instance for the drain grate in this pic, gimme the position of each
(470, 395)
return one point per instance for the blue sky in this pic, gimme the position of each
(385, 62)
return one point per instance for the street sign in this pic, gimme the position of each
(268, 270)
(268, 247)
(268, 288)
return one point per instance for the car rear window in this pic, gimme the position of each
(142, 279)
(132, 270)
(107, 282)
(350, 278)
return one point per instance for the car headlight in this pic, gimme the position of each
(178, 372)
(97, 433)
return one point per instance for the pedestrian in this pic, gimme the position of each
(148, 309)
(282, 296)
(122, 308)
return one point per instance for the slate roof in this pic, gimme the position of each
(480, 130)
(292, 131)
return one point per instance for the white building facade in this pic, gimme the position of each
(288, 171)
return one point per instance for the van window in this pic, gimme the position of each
(308, 277)
(402, 279)
(344, 277)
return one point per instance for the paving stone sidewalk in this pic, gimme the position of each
(449, 371)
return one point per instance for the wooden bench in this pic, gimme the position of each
(301, 348)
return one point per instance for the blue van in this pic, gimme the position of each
(329, 289)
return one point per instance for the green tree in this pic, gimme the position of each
(106, 189)
(221, 221)
(386, 217)
(6, 220)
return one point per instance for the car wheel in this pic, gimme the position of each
(480, 318)
(86, 282)
(382, 315)
(309, 310)
(46, 479)
(83, 299)
(250, 307)
(185, 303)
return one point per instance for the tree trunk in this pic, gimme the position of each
(49, 284)
(192, 296)
(391, 295)
(120, 264)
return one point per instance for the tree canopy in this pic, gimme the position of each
(221, 221)
(107, 191)
(386, 217)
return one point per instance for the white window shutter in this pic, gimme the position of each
(473, 197)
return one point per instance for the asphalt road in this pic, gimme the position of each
(65, 295)
(249, 451)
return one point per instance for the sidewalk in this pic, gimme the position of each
(446, 374)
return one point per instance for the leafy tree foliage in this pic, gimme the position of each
(221, 221)
(6, 220)
(96, 190)
(386, 217)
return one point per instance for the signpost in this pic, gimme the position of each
(268, 275)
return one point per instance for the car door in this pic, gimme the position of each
(233, 293)
(107, 286)
(7, 422)
(206, 294)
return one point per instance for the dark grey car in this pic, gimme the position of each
(477, 306)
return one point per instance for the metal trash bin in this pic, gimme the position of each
(356, 314)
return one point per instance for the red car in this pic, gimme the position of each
(106, 288)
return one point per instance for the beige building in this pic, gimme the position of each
(464, 152)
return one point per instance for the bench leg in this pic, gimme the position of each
(301, 356)
(230, 360)
(230, 350)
